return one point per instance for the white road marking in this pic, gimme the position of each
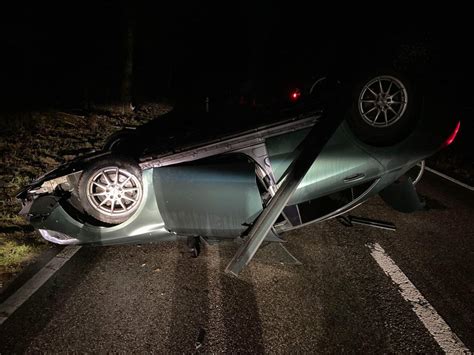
(466, 186)
(12, 303)
(439, 329)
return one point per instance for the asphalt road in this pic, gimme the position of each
(155, 298)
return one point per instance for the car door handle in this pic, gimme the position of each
(355, 177)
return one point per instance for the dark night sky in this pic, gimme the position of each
(52, 52)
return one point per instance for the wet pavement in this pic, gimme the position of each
(156, 298)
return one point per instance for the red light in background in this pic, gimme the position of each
(295, 95)
(453, 135)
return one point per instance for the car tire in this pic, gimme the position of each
(111, 189)
(416, 172)
(385, 108)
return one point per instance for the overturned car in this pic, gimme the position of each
(270, 172)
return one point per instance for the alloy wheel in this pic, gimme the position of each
(114, 191)
(383, 101)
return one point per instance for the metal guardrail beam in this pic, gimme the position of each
(309, 150)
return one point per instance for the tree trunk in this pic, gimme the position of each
(127, 75)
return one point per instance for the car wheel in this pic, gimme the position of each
(111, 189)
(384, 108)
(316, 86)
(416, 173)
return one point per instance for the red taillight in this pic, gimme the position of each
(453, 135)
(295, 95)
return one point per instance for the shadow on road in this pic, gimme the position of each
(190, 304)
(240, 309)
(49, 300)
(238, 328)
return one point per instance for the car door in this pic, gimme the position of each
(341, 164)
(209, 197)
